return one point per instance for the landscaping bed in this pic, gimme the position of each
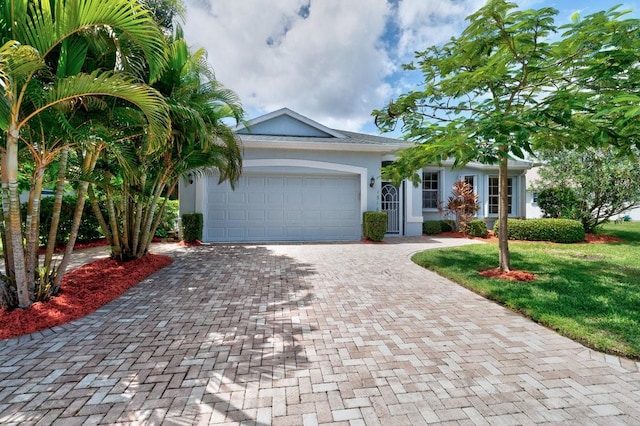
(83, 290)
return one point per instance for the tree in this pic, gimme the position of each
(44, 70)
(597, 101)
(133, 181)
(603, 183)
(480, 95)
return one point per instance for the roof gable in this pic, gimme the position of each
(285, 122)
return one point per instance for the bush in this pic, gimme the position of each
(448, 225)
(375, 225)
(477, 228)
(192, 227)
(89, 229)
(169, 217)
(555, 230)
(430, 227)
(559, 202)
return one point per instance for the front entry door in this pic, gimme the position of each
(392, 204)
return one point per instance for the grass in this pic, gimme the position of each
(587, 292)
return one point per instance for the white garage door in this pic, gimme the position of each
(284, 208)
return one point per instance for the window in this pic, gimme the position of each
(470, 180)
(493, 195)
(430, 190)
(535, 198)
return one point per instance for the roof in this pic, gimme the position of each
(284, 129)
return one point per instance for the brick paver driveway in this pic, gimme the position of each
(308, 334)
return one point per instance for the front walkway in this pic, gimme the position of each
(347, 334)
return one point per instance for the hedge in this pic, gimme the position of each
(477, 228)
(375, 225)
(192, 227)
(555, 230)
(430, 227)
(89, 229)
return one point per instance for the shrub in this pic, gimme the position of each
(375, 225)
(462, 204)
(430, 227)
(559, 202)
(477, 228)
(555, 230)
(89, 229)
(169, 217)
(192, 227)
(448, 225)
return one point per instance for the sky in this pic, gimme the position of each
(333, 61)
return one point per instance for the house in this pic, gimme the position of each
(303, 181)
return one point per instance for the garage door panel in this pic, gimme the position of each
(284, 208)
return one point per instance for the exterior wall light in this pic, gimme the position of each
(372, 182)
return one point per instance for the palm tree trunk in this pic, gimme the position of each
(145, 239)
(503, 214)
(89, 164)
(137, 225)
(95, 207)
(7, 251)
(33, 223)
(13, 225)
(57, 208)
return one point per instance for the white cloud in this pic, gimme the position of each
(427, 23)
(329, 66)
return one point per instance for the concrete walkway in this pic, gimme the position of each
(344, 334)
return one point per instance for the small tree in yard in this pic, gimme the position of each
(479, 98)
(462, 204)
(603, 183)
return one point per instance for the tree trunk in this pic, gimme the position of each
(57, 208)
(32, 227)
(13, 221)
(95, 207)
(503, 214)
(89, 164)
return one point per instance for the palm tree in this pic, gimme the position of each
(44, 69)
(200, 142)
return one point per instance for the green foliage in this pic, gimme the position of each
(89, 229)
(480, 97)
(559, 202)
(555, 230)
(587, 292)
(448, 225)
(375, 225)
(604, 183)
(477, 228)
(431, 227)
(192, 227)
(169, 218)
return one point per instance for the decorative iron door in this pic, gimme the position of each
(392, 204)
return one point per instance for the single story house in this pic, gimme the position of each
(303, 181)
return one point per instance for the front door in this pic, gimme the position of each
(392, 204)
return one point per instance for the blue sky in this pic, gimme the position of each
(333, 61)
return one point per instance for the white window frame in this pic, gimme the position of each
(438, 190)
(490, 196)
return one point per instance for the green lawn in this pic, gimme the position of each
(588, 292)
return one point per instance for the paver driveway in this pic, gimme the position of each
(308, 334)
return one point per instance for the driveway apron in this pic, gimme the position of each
(308, 334)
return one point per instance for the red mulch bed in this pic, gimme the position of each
(83, 291)
(513, 275)
(195, 243)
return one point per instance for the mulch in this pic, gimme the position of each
(83, 291)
